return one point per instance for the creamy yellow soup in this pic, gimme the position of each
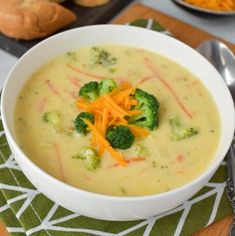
(168, 163)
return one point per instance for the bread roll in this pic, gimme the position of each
(31, 19)
(91, 3)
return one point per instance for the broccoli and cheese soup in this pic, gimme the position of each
(117, 120)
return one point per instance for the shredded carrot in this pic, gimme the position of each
(115, 154)
(76, 69)
(113, 92)
(112, 121)
(133, 102)
(100, 145)
(101, 149)
(145, 79)
(195, 82)
(82, 104)
(135, 159)
(94, 139)
(41, 104)
(72, 94)
(180, 158)
(153, 68)
(131, 160)
(58, 156)
(114, 112)
(52, 88)
(114, 105)
(138, 131)
(99, 121)
(112, 109)
(104, 121)
(126, 101)
(74, 81)
(120, 120)
(130, 101)
(123, 94)
(134, 112)
(125, 85)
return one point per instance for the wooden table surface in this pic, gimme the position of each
(3, 230)
(191, 36)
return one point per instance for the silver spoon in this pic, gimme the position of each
(224, 61)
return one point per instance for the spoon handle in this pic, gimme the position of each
(230, 188)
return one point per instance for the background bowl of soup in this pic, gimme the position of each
(186, 85)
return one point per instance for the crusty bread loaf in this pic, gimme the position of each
(90, 3)
(31, 19)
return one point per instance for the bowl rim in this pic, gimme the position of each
(210, 169)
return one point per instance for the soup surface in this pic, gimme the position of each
(166, 162)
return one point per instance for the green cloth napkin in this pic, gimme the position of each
(26, 211)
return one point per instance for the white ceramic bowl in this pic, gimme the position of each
(103, 206)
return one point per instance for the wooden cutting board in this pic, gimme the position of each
(182, 31)
(193, 37)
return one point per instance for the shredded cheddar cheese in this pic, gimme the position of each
(216, 5)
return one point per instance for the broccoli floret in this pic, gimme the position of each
(54, 118)
(120, 136)
(149, 107)
(89, 91)
(103, 58)
(80, 125)
(51, 117)
(106, 86)
(72, 56)
(179, 130)
(140, 150)
(90, 158)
